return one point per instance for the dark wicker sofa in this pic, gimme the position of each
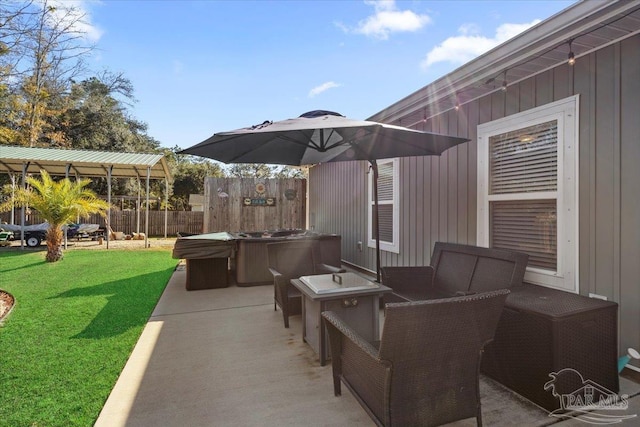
(541, 330)
(455, 270)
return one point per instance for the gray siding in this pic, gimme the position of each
(438, 195)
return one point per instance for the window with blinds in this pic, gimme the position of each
(525, 161)
(385, 202)
(528, 190)
(387, 205)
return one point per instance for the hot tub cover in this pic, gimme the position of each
(199, 246)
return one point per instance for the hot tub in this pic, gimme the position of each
(251, 261)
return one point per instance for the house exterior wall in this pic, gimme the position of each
(438, 195)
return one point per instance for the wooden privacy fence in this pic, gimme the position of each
(251, 204)
(126, 221)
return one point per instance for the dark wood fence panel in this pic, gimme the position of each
(126, 221)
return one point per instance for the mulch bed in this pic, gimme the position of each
(6, 302)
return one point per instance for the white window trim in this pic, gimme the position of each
(386, 246)
(566, 113)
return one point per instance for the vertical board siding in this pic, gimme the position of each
(463, 180)
(473, 119)
(604, 149)
(562, 82)
(445, 188)
(584, 84)
(629, 193)
(544, 88)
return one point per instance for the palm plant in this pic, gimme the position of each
(58, 202)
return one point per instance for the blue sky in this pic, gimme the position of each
(200, 67)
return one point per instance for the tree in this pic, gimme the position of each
(58, 203)
(97, 120)
(263, 171)
(292, 172)
(43, 46)
(189, 173)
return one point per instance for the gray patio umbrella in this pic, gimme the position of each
(320, 137)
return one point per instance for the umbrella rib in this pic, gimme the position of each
(311, 143)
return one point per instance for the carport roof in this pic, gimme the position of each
(84, 163)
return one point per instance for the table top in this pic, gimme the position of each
(344, 285)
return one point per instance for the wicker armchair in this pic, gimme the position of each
(456, 270)
(290, 260)
(425, 370)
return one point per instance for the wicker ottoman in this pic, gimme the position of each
(544, 330)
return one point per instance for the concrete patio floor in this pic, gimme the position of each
(221, 357)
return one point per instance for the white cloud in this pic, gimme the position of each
(323, 87)
(76, 13)
(387, 19)
(469, 44)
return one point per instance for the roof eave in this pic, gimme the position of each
(559, 28)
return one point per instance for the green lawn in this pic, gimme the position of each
(72, 329)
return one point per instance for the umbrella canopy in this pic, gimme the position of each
(320, 137)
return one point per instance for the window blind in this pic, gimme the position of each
(527, 226)
(386, 222)
(524, 160)
(385, 182)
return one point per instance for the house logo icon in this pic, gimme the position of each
(586, 400)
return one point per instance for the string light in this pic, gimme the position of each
(572, 58)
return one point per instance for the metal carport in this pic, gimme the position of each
(91, 164)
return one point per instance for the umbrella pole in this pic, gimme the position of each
(376, 223)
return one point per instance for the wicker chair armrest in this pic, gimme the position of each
(274, 272)
(328, 269)
(338, 325)
(403, 279)
(281, 284)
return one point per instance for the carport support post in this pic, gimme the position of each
(12, 219)
(66, 226)
(109, 170)
(138, 206)
(23, 211)
(166, 205)
(146, 212)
